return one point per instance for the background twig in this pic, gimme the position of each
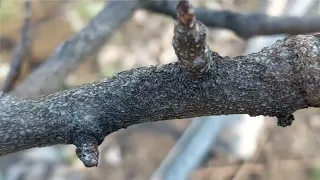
(244, 25)
(49, 76)
(21, 50)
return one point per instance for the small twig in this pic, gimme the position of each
(20, 51)
(189, 41)
(244, 25)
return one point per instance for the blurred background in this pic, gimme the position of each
(215, 148)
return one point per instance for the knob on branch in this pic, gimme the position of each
(189, 41)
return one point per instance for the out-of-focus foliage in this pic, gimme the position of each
(8, 9)
(89, 10)
(315, 174)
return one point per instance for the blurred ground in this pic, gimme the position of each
(135, 153)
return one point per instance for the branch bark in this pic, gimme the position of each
(244, 25)
(277, 81)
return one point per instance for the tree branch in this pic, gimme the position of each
(20, 51)
(244, 25)
(70, 54)
(277, 81)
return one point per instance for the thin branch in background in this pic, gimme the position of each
(49, 76)
(244, 25)
(20, 51)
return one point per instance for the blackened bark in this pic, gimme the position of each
(277, 81)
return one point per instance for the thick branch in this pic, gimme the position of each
(70, 54)
(277, 81)
(245, 25)
(20, 51)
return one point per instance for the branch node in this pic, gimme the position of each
(189, 41)
(87, 149)
(286, 120)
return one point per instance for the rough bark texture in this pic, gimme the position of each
(277, 81)
(244, 25)
(274, 82)
(189, 41)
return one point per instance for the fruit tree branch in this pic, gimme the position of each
(276, 81)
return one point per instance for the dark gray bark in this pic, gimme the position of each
(274, 82)
(277, 81)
